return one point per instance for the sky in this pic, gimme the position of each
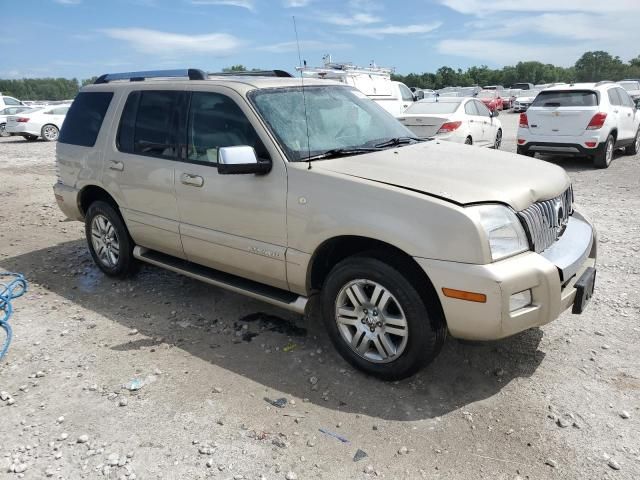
(85, 38)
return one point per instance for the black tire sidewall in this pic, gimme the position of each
(126, 260)
(425, 338)
(600, 159)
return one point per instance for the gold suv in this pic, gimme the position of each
(279, 190)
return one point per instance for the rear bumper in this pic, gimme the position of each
(549, 278)
(562, 148)
(21, 129)
(67, 198)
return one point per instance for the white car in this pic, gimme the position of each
(4, 113)
(38, 122)
(632, 87)
(582, 119)
(460, 120)
(6, 101)
(524, 101)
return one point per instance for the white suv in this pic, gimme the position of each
(581, 119)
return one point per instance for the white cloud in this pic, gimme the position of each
(305, 46)
(382, 31)
(482, 7)
(350, 20)
(506, 52)
(68, 2)
(296, 3)
(166, 44)
(248, 4)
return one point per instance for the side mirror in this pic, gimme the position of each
(637, 102)
(495, 113)
(241, 160)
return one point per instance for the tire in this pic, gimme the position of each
(498, 140)
(526, 153)
(468, 141)
(30, 138)
(3, 130)
(109, 241)
(632, 149)
(417, 336)
(50, 133)
(603, 159)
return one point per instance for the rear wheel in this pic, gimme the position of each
(468, 141)
(50, 133)
(526, 153)
(498, 140)
(632, 149)
(109, 242)
(603, 158)
(377, 320)
(30, 138)
(3, 130)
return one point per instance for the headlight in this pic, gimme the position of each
(503, 229)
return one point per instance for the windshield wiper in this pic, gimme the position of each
(393, 142)
(340, 152)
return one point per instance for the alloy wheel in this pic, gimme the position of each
(50, 132)
(105, 241)
(371, 321)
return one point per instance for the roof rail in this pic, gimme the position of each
(191, 73)
(603, 82)
(253, 73)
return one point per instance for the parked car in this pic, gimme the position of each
(401, 240)
(425, 94)
(375, 82)
(4, 113)
(522, 86)
(632, 87)
(6, 101)
(38, 122)
(523, 102)
(460, 120)
(491, 99)
(581, 119)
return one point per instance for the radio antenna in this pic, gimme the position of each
(304, 98)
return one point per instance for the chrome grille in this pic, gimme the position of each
(545, 221)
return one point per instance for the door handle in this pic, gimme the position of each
(118, 166)
(192, 180)
(470, 121)
(615, 111)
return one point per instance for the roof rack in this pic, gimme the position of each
(191, 74)
(253, 73)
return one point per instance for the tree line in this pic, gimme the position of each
(591, 67)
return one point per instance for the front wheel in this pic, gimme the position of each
(377, 320)
(498, 140)
(50, 133)
(109, 242)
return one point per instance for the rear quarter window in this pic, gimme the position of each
(572, 98)
(84, 118)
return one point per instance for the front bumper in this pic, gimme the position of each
(67, 198)
(550, 276)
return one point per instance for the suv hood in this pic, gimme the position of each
(458, 173)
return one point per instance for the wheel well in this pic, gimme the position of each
(337, 249)
(90, 194)
(614, 132)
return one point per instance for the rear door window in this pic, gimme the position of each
(84, 118)
(625, 99)
(150, 124)
(614, 98)
(11, 101)
(571, 98)
(483, 110)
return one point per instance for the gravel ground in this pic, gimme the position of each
(161, 376)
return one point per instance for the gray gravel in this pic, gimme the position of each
(561, 406)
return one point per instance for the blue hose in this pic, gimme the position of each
(9, 291)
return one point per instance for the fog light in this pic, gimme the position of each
(519, 300)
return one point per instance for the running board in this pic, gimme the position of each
(274, 296)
